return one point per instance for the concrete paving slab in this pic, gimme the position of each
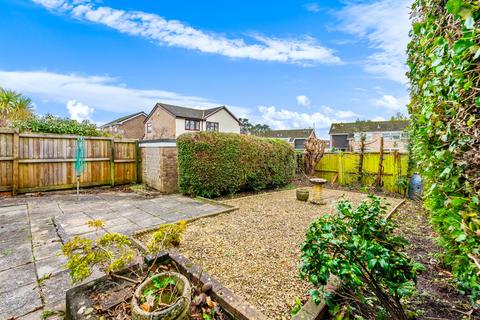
(12, 255)
(54, 290)
(51, 265)
(17, 277)
(19, 301)
(48, 250)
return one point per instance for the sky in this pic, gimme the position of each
(288, 64)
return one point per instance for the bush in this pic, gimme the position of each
(359, 248)
(52, 124)
(212, 163)
(445, 112)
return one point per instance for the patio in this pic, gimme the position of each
(32, 230)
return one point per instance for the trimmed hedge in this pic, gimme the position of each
(213, 163)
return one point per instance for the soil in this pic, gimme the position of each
(436, 297)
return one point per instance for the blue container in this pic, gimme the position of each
(416, 186)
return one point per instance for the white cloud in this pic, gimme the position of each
(304, 51)
(99, 92)
(341, 114)
(378, 118)
(391, 102)
(303, 101)
(79, 111)
(312, 7)
(385, 25)
(286, 119)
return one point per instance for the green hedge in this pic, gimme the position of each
(212, 163)
(445, 113)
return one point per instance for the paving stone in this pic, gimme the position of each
(175, 216)
(44, 236)
(116, 222)
(20, 235)
(19, 301)
(54, 290)
(126, 229)
(51, 265)
(149, 222)
(17, 277)
(13, 254)
(48, 250)
(35, 315)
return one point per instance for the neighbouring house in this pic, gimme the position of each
(168, 122)
(296, 137)
(130, 126)
(347, 136)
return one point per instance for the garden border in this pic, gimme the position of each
(312, 311)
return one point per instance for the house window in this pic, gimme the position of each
(358, 136)
(192, 124)
(149, 127)
(391, 135)
(212, 126)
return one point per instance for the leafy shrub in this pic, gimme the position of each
(358, 247)
(213, 163)
(166, 236)
(445, 112)
(52, 124)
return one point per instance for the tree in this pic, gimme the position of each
(398, 116)
(248, 128)
(13, 107)
(314, 150)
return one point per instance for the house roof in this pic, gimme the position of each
(286, 134)
(368, 126)
(190, 113)
(123, 119)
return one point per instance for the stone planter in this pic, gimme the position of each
(179, 310)
(303, 194)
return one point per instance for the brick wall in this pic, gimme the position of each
(163, 125)
(159, 168)
(133, 129)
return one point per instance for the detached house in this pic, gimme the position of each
(130, 126)
(347, 136)
(296, 137)
(168, 121)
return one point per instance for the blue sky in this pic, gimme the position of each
(289, 64)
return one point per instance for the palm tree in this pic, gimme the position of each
(13, 107)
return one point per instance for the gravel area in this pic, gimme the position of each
(254, 251)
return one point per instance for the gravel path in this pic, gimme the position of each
(254, 251)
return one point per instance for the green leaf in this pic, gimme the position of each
(461, 237)
(461, 45)
(454, 6)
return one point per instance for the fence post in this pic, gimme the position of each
(112, 162)
(340, 168)
(15, 146)
(137, 159)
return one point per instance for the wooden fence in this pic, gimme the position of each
(40, 162)
(343, 168)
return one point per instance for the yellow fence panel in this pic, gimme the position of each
(343, 168)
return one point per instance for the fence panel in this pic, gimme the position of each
(40, 162)
(6, 159)
(343, 168)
